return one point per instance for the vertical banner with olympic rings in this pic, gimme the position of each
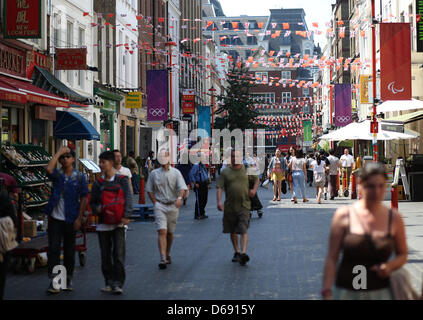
(343, 105)
(157, 95)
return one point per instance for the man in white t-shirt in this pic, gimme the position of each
(121, 170)
(347, 161)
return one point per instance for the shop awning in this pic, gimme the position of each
(406, 118)
(399, 105)
(9, 93)
(31, 93)
(72, 126)
(44, 79)
(361, 131)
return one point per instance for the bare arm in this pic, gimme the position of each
(53, 162)
(255, 187)
(338, 226)
(401, 250)
(219, 199)
(152, 197)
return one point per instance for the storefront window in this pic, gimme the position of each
(130, 139)
(39, 132)
(5, 125)
(106, 122)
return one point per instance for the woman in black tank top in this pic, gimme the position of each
(367, 234)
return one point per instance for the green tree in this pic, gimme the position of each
(237, 106)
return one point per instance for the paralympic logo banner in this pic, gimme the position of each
(204, 120)
(395, 61)
(157, 95)
(343, 105)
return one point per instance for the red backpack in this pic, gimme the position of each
(112, 201)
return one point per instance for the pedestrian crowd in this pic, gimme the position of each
(366, 233)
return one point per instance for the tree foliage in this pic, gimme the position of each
(236, 105)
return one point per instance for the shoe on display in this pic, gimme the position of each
(243, 259)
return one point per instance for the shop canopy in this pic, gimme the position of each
(361, 131)
(44, 79)
(72, 126)
(399, 105)
(21, 91)
(406, 118)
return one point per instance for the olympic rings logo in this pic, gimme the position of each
(343, 119)
(157, 112)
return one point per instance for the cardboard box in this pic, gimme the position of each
(30, 228)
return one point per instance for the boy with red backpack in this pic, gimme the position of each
(111, 200)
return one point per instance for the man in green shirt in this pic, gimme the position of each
(236, 217)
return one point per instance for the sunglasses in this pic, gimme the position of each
(65, 156)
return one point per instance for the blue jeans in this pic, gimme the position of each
(299, 183)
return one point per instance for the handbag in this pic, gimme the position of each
(265, 184)
(401, 286)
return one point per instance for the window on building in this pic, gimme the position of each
(262, 77)
(57, 21)
(306, 92)
(81, 73)
(69, 44)
(264, 97)
(286, 74)
(286, 97)
(307, 51)
(252, 40)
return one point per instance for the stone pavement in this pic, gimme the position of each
(287, 248)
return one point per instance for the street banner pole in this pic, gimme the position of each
(374, 126)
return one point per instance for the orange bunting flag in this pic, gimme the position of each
(315, 25)
(235, 25)
(209, 23)
(340, 23)
(260, 25)
(285, 26)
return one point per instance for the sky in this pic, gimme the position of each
(316, 10)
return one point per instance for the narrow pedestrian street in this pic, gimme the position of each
(287, 248)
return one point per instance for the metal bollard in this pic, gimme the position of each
(394, 197)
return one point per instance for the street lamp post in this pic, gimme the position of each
(170, 45)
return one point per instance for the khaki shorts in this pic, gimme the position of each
(165, 217)
(236, 222)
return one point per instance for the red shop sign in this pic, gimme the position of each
(188, 107)
(71, 59)
(22, 19)
(12, 61)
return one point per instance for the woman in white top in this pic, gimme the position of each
(319, 169)
(299, 171)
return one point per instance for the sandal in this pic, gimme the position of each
(295, 201)
(274, 199)
(306, 200)
(279, 199)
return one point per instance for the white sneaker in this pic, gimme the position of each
(107, 289)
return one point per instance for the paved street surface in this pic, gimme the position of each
(287, 249)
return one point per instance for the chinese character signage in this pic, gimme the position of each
(22, 19)
(364, 89)
(419, 23)
(71, 59)
(133, 100)
(188, 107)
